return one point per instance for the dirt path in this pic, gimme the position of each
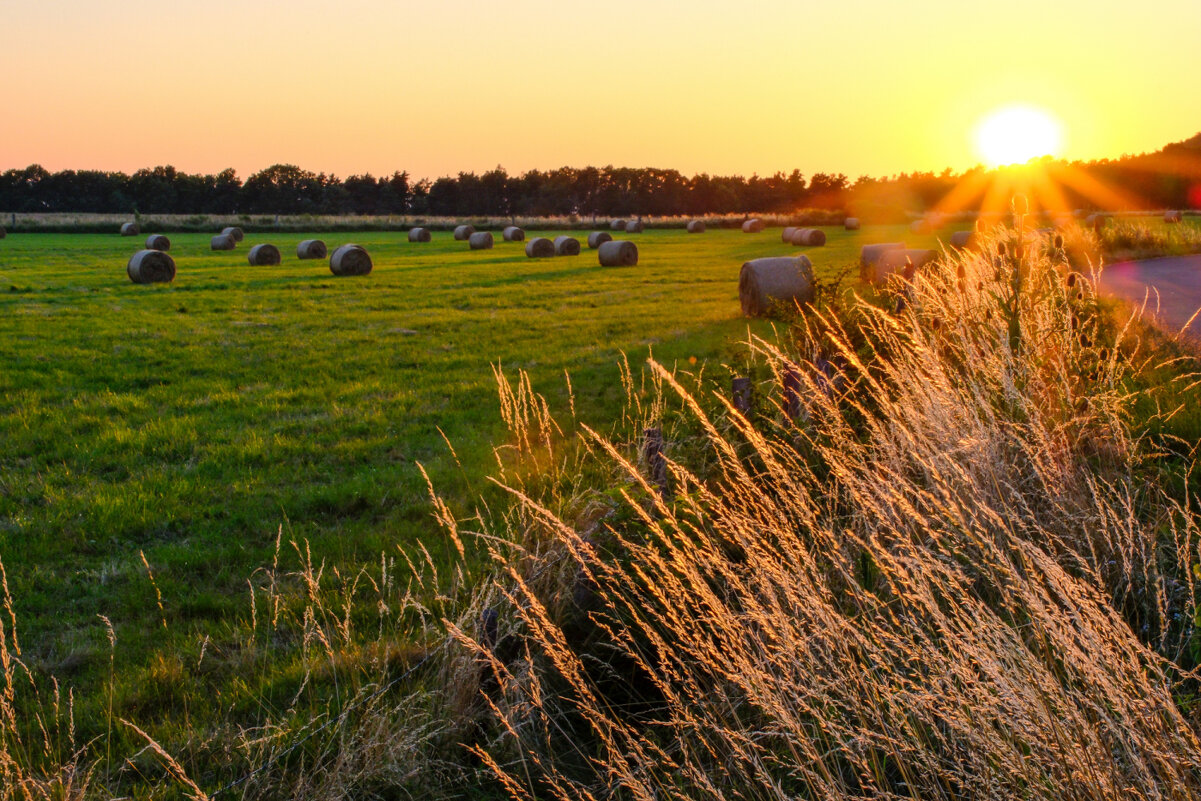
(1177, 279)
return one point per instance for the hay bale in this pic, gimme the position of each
(919, 227)
(158, 242)
(764, 284)
(540, 248)
(567, 246)
(264, 255)
(222, 242)
(901, 262)
(236, 233)
(151, 267)
(1168, 217)
(963, 239)
(311, 249)
(464, 232)
(870, 254)
(634, 227)
(598, 238)
(851, 224)
(617, 225)
(787, 234)
(618, 253)
(420, 235)
(752, 226)
(809, 237)
(512, 233)
(350, 260)
(1096, 221)
(130, 229)
(481, 240)
(695, 227)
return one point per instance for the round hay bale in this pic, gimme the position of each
(567, 246)
(870, 254)
(598, 238)
(1168, 217)
(311, 249)
(1096, 221)
(151, 267)
(236, 233)
(512, 233)
(222, 242)
(634, 227)
(617, 225)
(752, 226)
(420, 235)
(787, 233)
(350, 260)
(618, 253)
(481, 240)
(764, 284)
(695, 227)
(963, 239)
(264, 255)
(809, 237)
(158, 242)
(130, 229)
(464, 232)
(540, 248)
(851, 224)
(902, 262)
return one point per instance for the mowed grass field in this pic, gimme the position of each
(188, 422)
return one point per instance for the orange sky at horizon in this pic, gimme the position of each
(862, 87)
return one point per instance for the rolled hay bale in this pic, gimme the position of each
(1168, 217)
(130, 229)
(222, 242)
(598, 238)
(617, 253)
(1096, 221)
(464, 232)
(634, 227)
(540, 248)
(752, 226)
(311, 249)
(851, 224)
(151, 267)
(617, 225)
(963, 239)
(870, 254)
(264, 255)
(236, 233)
(695, 227)
(481, 240)
(420, 235)
(350, 260)
(787, 234)
(567, 246)
(764, 284)
(902, 262)
(809, 237)
(158, 242)
(512, 233)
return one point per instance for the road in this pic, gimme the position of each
(1178, 281)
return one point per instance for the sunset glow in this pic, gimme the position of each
(1017, 134)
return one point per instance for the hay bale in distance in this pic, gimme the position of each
(851, 224)
(151, 267)
(870, 254)
(617, 225)
(809, 237)
(764, 284)
(901, 262)
(695, 227)
(236, 233)
(512, 233)
(617, 253)
(350, 260)
(420, 235)
(222, 242)
(311, 249)
(598, 238)
(1168, 217)
(480, 240)
(130, 229)
(920, 227)
(158, 242)
(464, 232)
(567, 246)
(264, 255)
(634, 227)
(1096, 221)
(786, 234)
(540, 248)
(963, 239)
(752, 226)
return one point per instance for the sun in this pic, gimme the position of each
(1016, 134)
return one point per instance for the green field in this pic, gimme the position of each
(190, 421)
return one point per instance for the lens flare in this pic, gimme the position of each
(1016, 134)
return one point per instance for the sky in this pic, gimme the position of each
(440, 86)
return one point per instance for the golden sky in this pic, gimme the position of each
(854, 86)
